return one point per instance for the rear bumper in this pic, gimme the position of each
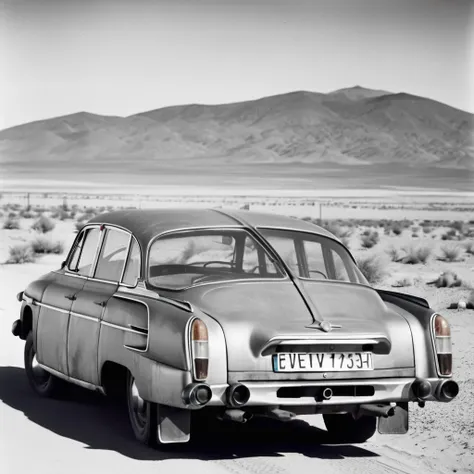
(344, 392)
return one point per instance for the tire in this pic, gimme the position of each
(143, 415)
(344, 429)
(42, 382)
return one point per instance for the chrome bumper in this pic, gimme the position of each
(382, 391)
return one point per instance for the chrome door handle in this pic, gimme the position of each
(100, 303)
(71, 297)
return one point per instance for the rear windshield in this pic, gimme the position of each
(190, 258)
(314, 257)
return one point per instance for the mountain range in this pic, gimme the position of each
(356, 134)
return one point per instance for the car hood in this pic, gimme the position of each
(252, 314)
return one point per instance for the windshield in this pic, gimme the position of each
(184, 259)
(314, 257)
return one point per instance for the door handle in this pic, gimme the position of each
(71, 297)
(100, 303)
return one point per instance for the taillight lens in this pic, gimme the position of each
(200, 349)
(443, 345)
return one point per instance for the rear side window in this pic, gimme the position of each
(84, 253)
(112, 255)
(132, 269)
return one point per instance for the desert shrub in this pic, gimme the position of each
(79, 225)
(373, 267)
(397, 229)
(11, 223)
(27, 214)
(21, 254)
(457, 225)
(403, 282)
(416, 255)
(43, 225)
(338, 230)
(447, 280)
(43, 245)
(427, 229)
(414, 236)
(12, 215)
(449, 235)
(469, 246)
(369, 239)
(60, 214)
(451, 253)
(394, 254)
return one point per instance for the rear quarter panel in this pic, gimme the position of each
(419, 318)
(159, 360)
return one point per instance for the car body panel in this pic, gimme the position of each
(147, 329)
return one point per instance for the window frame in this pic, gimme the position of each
(268, 252)
(104, 228)
(326, 252)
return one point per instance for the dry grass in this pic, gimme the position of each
(469, 246)
(451, 253)
(370, 238)
(44, 245)
(22, 253)
(373, 267)
(418, 254)
(11, 223)
(43, 225)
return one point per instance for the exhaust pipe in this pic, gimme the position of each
(197, 394)
(237, 395)
(447, 390)
(236, 415)
(375, 410)
(421, 389)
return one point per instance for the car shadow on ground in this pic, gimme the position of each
(92, 420)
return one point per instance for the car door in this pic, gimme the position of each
(88, 308)
(57, 300)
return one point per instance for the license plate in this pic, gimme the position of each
(322, 362)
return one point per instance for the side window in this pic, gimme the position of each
(112, 255)
(315, 259)
(339, 267)
(252, 258)
(286, 249)
(83, 257)
(132, 269)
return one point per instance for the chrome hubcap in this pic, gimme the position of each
(138, 405)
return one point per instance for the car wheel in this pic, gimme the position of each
(143, 415)
(343, 428)
(43, 383)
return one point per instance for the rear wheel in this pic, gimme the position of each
(143, 415)
(343, 428)
(43, 383)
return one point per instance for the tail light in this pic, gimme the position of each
(199, 349)
(443, 345)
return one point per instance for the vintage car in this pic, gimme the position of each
(197, 313)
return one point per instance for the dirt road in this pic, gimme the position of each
(86, 434)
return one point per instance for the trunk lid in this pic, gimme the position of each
(261, 318)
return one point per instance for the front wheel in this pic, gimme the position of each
(43, 383)
(345, 429)
(143, 415)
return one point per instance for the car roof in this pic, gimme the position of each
(145, 224)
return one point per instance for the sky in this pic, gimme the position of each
(120, 57)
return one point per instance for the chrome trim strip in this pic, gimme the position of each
(302, 340)
(83, 316)
(127, 255)
(81, 383)
(67, 272)
(59, 310)
(123, 328)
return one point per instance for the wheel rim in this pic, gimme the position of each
(40, 376)
(138, 406)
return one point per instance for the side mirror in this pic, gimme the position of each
(227, 240)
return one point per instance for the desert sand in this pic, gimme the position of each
(84, 434)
